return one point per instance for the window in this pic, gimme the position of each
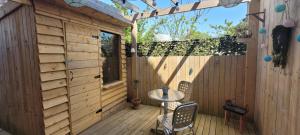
(110, 54)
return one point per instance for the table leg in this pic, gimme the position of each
(165, 115)
(165, 111)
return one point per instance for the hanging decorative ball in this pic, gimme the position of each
(267, 58)
(298, 38)
(263, 46)
(280, 8)
(289, 23)
(262, 30)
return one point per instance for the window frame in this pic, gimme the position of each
(119, 80)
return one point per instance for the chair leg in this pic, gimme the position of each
(160, 110)
(226, 119)
(192, 129)
(156, 127)
(241, 124)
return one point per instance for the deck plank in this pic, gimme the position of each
(139, 122)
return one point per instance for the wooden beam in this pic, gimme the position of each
(127, 5)
(174, 1)
(27, 2)
(150, 3)
(251, 60)
(8, 8)
(182, 8)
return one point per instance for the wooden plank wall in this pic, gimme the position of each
(278, 90)
(51, 44)
(214, 78)
(20, 96)
(114, 96)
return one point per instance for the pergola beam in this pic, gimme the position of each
(149, 3)
(182, 8)
(127, 5)
(174, 1)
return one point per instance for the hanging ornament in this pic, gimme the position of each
(298, 38)
(289, 23)
(263, 46)
(262, 30)
(280, 8)
(156, 15)
(154, 3)
(267, 58)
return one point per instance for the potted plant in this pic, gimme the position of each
(136, 101)
(243, 33)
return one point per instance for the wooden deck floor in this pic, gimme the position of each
(139, 122)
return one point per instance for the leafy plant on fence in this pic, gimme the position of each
(226, 45)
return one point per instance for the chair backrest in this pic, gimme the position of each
(184, 115)
(186, 88)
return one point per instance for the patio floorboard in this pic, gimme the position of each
(139, 122)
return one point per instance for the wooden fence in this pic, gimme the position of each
(214, 78)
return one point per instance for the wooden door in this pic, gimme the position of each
(83, 76)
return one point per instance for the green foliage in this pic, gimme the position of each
(232, 30)
(226, 45)
(178, 26)
(178, 48)
(227, 29)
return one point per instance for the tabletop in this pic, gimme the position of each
(173, 95)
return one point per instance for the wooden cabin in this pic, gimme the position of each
(62, 68)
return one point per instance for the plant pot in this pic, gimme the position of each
(135, 103)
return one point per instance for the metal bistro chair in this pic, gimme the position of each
(186, 88)
(183, 118)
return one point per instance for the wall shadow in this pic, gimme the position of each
(214, 78)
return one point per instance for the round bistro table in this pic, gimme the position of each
(173, 96)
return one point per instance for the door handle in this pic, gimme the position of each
(71, 74)
(97, 76)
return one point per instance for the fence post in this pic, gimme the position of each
(134, 31)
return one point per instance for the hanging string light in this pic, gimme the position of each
(156, 14)
(177, 6)
(154, 3)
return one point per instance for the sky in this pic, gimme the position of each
(214, 16)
